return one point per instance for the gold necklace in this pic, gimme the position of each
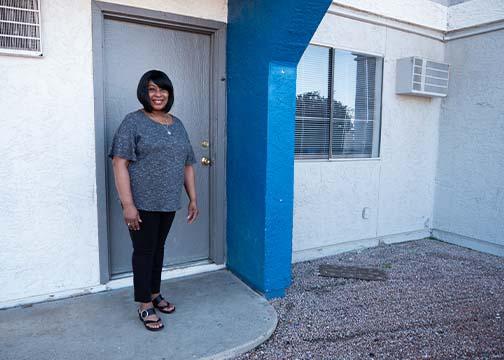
(165, 125)
(165, 120)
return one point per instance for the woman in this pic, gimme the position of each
(152, 158)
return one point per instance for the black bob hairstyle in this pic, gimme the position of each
(160, 79)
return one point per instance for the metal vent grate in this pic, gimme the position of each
(436, 78)
(20, 27)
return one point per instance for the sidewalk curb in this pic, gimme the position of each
(239, 350)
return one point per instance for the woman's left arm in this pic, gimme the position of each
(190, 187)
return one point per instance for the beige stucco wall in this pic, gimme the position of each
(421, 12)
(397, 188)
(49, 220)
(207, 9)
(475, 12)
(48, 187)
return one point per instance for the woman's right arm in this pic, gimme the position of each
(123, 186)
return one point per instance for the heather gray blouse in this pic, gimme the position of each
(158, 154)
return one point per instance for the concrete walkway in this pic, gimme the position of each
(217, 317)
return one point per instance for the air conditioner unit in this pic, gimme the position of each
(421, 77)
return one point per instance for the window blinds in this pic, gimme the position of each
(347, 125)
(313, 104)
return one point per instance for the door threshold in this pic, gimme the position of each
(171, 272)
(125, 280)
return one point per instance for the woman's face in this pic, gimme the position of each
(158, 97)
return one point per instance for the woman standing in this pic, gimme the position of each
(152, 159)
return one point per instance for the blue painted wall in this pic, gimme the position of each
(265, 42)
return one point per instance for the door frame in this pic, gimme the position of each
(217, 137)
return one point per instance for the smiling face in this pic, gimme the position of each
(158, 97)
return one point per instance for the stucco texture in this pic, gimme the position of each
(422, 12)
(265, 42)
(469, 182)
(397, 188)
(208, 9)
(475, 12)
(49, 238)
(49, 224)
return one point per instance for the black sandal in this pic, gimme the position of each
(146, 313)
(157, 300)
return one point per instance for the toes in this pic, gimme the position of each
(155, 325)
(168, 306)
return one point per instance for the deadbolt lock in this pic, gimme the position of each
(205, 144)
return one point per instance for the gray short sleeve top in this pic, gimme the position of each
(158, 154)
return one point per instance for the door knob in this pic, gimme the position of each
(205, 161)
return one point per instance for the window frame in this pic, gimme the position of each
(376, 144)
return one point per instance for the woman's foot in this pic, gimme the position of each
(160, 303)
(149, 317)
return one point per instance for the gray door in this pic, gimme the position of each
(130, 49)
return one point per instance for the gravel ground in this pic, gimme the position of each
(440, 301)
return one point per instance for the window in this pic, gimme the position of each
(20, 27)
(338, 104)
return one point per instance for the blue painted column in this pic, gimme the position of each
(265, 41)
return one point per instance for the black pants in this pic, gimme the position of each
(148, 252)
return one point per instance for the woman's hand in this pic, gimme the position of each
(132, 217)
(189, 184)
(192, 211)
(122, 181)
